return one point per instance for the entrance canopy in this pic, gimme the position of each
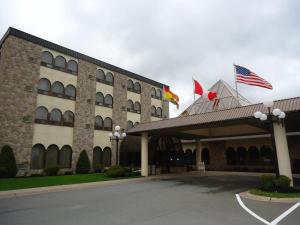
(237, 121)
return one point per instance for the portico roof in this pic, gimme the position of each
(234, 121)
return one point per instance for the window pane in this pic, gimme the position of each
(41, 113)
(129, 105)
(137, 106)
(137, 87)
(158, 93)
(58, 88)
(97, 156)
(108, 123)
(109, 78)
(108, 100)
(70, 91)
(55, 115)
(129, 85)
(60, 62)
(72, 65)
(153, 92)
(47, 57)
(129, 124)
(44, 85)
(98, 122)
(100, 75)
(159, 112)
(65, 157)
(153, 111)
(52, 155)
(37, 157)
(99, 98)
(107, 156)
(69, 117)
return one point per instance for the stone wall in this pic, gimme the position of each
(166, 112)
(145, 102)
(217, 155)
(19, 74)
(84, 110)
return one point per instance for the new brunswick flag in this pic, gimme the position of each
(170, 96)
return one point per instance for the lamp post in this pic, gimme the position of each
(117, 136)
(276, 116)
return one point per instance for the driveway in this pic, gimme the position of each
(175, 200)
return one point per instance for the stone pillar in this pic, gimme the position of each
(199, 164)
(144, 157)
(282, 151)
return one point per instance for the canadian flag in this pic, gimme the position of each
(210, 95)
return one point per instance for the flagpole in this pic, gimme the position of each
(194, 88)
(236, 89)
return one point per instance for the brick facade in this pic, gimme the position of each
(145, 102)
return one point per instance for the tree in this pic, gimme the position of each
(8, 166)
(83, 163)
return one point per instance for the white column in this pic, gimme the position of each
(144, 155)
(199, 164)
(282, 151)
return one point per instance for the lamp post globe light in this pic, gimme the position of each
(117, 135)
(275, 116)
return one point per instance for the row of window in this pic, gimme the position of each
(107, 78)
(133, 107)
(104, 101)
(57, 89)
(134, 87)
(157, 112)
(54, 117)
(59, 62)
(131, 125)
(156, 93)
(53, 156)
(101, 124)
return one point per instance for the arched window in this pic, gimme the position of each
(153, 92)
(41, 115)
(230, 156)
(266, 155)
(100, 76)
(44, 86)
(136, 123)
(137, 87)
(97, 156)
(137, 107)
(107, 156)
(253, 155)
(60, 62)
(241, 155)
(205, 156)
(98, 123)
(158, 93)
(188, 157)
(72, 66)
(70, 91)
(38, 157)
(129, 124)
(130, 106)
(108, 100)
(99, 98)
(52, 156)
(130, 85)
(107, 123)
(47, 58)
(109, 78)
(69, 118)
(58, 89)
(55, 116)
(65, 157)
(153, 110)
(159, 112)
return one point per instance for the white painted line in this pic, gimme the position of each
(279, 218)
(275, 221)
(250, 212)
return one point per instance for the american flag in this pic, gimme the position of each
(243, 75)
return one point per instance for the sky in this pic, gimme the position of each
(173, 41)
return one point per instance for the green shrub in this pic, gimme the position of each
(51, 170)
(83, 163)
(68, 173)
(267, 182)
(8, 166)
(98, 168)
(283, 183)
(118, 171)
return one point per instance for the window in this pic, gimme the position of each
(107, 156)
(108, 100)
(68, 119)
(136, 123)
(55, 116)
(100, 76)
(137, 87)
(130, 85)
(137, 107)
(109, 78)
(230, 156)
(70, 92)
(99, 98)
(98, 123)
(205, 156)
(44, 86)
(72, 66)
(253, 155)
(60, 62)
(107, 123)
(37, 157)
(153, 111)
(159, 112)
(47, 58)
(130, 106)
(129, 124)
(52, 156)
(153, 92)
(158, 93)
(241, 155)
(97, 156)
(58, 89)
(41, 114)
(188, 156)
(65, 157)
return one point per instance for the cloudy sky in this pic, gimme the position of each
(172, 41)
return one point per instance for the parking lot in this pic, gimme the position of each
(174, 200)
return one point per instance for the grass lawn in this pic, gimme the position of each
(31, 182)
(274, 194)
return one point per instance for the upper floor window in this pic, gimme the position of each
(72, 66)
(159, 112)
(137, 107)
(130, 106)
(153, 92)
(70, 91)
(100, 76)
(156, 93)
(60, 62)
(44, 86)
(47, 57)
(55, 116)
(130, 85)
(58, 89)
(68, 118)
(108, 100)
(137, 87)
(99, 98)
(153, 110)
(109, 78)
(129, 124)
(98, 123)
(41, 114)
(107, 123)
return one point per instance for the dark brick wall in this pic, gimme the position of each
(19, 74)
(145, 102)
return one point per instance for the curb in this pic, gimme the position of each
(250, 196)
